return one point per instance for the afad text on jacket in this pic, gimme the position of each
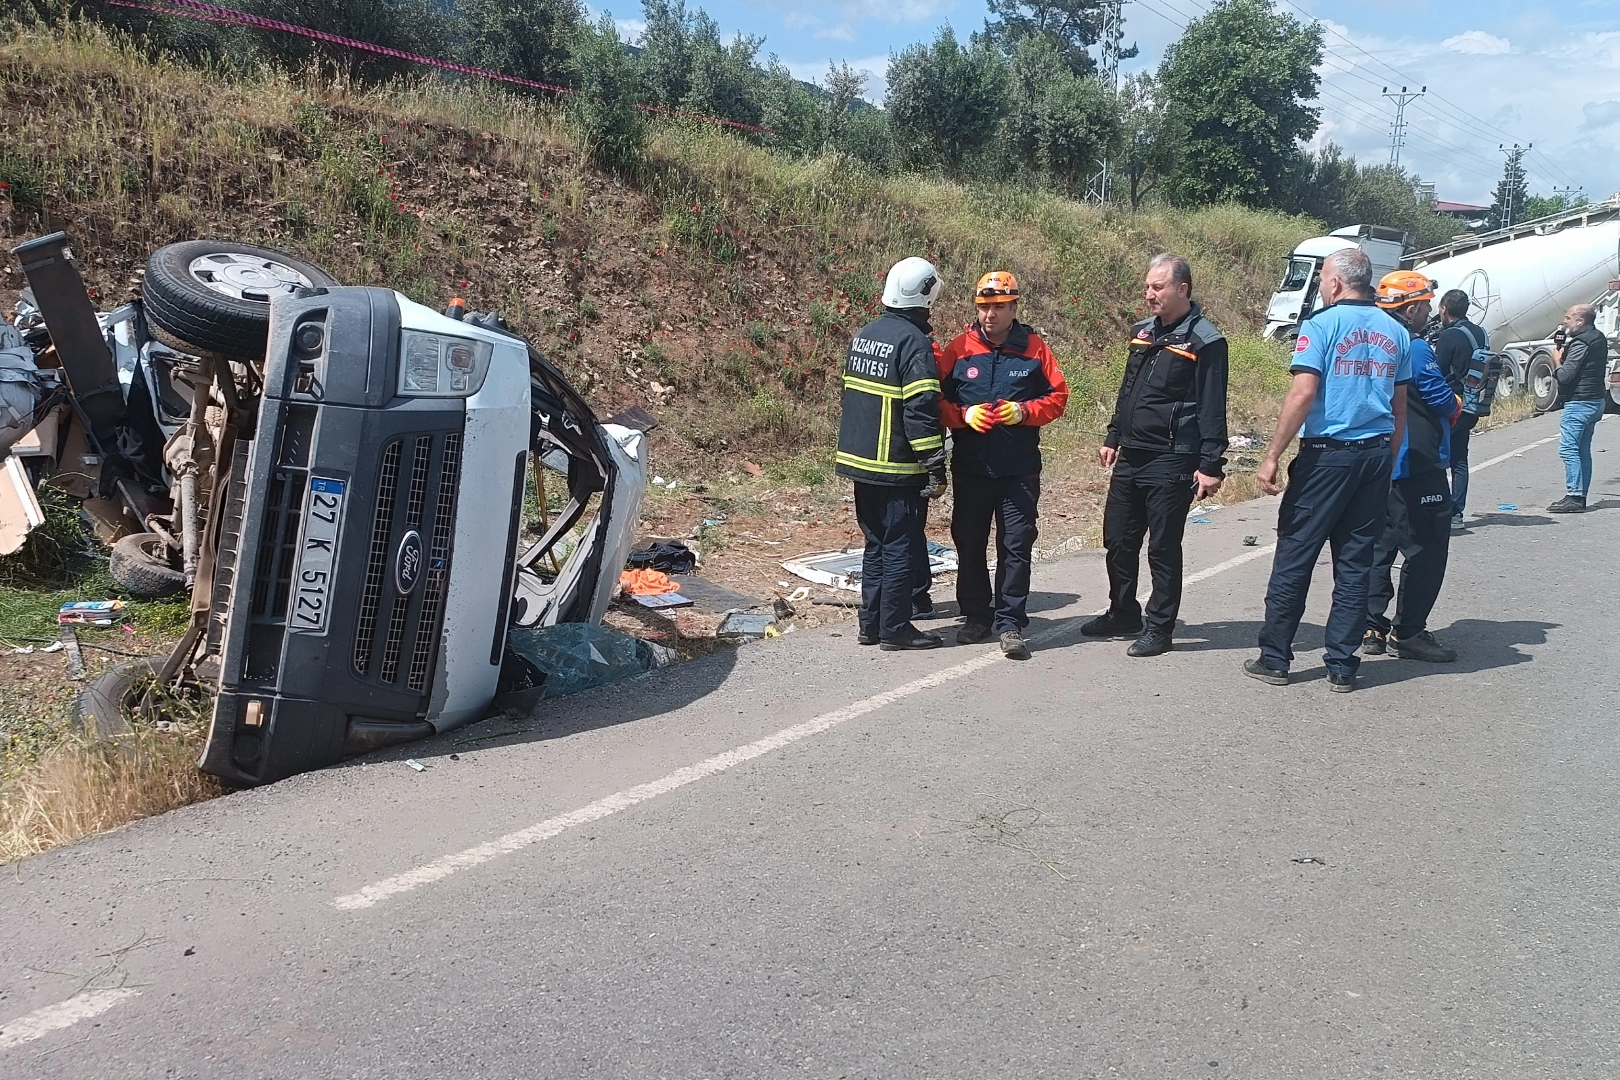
(972, 371)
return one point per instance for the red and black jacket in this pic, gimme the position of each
(974, 372)
(1173, 397)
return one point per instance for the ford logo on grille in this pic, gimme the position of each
(408, 563)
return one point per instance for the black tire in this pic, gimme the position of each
(187, 296)
(140, 564)
(102, 711)
(1542, 384)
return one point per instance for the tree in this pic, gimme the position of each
(870, 139)
(1536, 206)
(527, 38)
(1337, 191)
(1071, 27)
(791, 112)
(1063, 123)
(1511, 192)
(944, 101)
(407, 25)
(1150, 140)
(724, 81)
(668, 42)
(1238, 81)
(845, 88)
(613, 130)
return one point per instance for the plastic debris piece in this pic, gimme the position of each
(581, 656)
(799, 594)
(745, 624)
(1250, 541)
(90, 612)
(417, 765)
(1200, 521)
(1508, 506)
(752, 470)
(772, 631)
(842, 569)
(664, 600)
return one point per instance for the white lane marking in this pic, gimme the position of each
(1510, 454)
(624, 800)
(40, 1022)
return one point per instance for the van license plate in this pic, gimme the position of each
(312, 587)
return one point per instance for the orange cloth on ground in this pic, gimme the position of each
(647, 582)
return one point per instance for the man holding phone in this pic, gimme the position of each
(1166, 445)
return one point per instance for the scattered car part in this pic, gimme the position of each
(140, 563)
(215, 295)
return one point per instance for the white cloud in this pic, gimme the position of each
(1478, 43)
(875, 67)
(630, 29)
(1600, 114)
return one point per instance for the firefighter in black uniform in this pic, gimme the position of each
(1166, 445)
(891, 443)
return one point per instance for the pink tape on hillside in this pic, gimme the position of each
(196, 9)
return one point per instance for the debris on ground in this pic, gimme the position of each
(842, 569)
(747, 624)
(570, 657)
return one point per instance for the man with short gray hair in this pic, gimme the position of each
(1582, 357)
(1166, 445)
(1352, 363)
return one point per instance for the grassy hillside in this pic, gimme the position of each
(716, 286)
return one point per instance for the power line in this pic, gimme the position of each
(1397, 133)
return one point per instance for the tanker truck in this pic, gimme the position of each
(1520, 281)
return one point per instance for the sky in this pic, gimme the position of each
(1498, 72)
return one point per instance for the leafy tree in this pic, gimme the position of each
(724, 80)
(527, 38)
(791, 112)
(613, 130)
(1071, 27)
(1536, 206)
(1066, 124)
(1150, 139)
(869, 138)
(1511, 193)
(1334, 189)
(944, 101)
(844, 88)
(1238, 81)
(668, 44)
(408, 25)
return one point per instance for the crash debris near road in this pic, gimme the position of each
(336, 474)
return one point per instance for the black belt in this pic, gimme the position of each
(1340, 444)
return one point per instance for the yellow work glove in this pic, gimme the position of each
(1010, 412)
(982, 418)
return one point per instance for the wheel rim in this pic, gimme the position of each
(1543, 384)
(241, 276)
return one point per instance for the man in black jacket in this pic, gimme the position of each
(1582, 360)
(1459, 338)
(1166, 445)
(891, 443)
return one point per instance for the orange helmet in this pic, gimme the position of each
(1402, 287)
(996, 287)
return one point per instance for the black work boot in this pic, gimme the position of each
(1256, 669)
(1569, 504)
(1421, 646)
(1152, 642)
(1340, 682)
(974, 632)
(1013, 646)
(1108, 625)
(916, 639)
(1374, 643)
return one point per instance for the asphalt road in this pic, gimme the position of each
(813, 859)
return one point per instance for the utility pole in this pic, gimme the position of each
(1568, 195)
(1113, 32)
(1397, 133)
(1513, 179)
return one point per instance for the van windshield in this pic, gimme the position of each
(1298, 275)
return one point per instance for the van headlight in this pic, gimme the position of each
(437, 365)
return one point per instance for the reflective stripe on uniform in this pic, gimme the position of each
(929, 442)
(895, 468)
(921, 386)
(882, 390)
(885, 431)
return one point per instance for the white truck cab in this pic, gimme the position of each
(1296, 297)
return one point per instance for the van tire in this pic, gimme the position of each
(101, 711)
(222, 318)
(140, 564)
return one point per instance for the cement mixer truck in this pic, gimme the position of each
(1520, 281)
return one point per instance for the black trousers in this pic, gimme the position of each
(891, 519)
(1336, 497)
(1419, 529)
(1149, 495)
(1011, 502)
(922, 575)
(1460, 431)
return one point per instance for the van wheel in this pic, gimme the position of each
(102, 711)
(140, 564)
(1542, 382)
(214, 296)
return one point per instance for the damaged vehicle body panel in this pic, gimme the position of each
(369, 471)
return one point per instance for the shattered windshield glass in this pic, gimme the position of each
(1297, 276)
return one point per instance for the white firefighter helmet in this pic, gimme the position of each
(911, 283)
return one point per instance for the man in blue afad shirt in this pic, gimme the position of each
(1419, 527)
(1347, 402)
